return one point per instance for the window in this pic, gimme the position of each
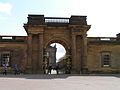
(6, 37)
(106, 59)
(105, 39)
(5, 59)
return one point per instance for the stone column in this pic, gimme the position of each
(29, 51)
(84, 62)
(74, 54)
(41, 52)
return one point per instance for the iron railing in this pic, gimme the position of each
(56, 20)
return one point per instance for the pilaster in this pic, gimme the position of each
(41, 52)
(29, 51)
(84, 55)
(73, 53)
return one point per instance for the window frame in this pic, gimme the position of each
(2, 57)
(103, 53)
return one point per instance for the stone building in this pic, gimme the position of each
(84, 54)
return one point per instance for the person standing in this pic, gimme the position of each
(16, 69)
(5, 70)
(57, 69)
(49, 69)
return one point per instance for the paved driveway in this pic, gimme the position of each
(60, 82)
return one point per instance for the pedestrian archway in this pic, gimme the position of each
(69, 32)
(56, 56)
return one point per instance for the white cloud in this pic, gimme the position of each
(3, 18)
(5, 8)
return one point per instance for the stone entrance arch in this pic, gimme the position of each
(70, 32)
(59, 40)
(67, 47)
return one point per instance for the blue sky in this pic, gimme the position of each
(103, 15)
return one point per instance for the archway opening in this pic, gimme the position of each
(60, 51)
(56, 59)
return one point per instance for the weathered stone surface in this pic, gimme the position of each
(85, 52)
(94, 56)
(18, 53)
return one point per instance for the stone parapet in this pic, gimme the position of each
(56, 21)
